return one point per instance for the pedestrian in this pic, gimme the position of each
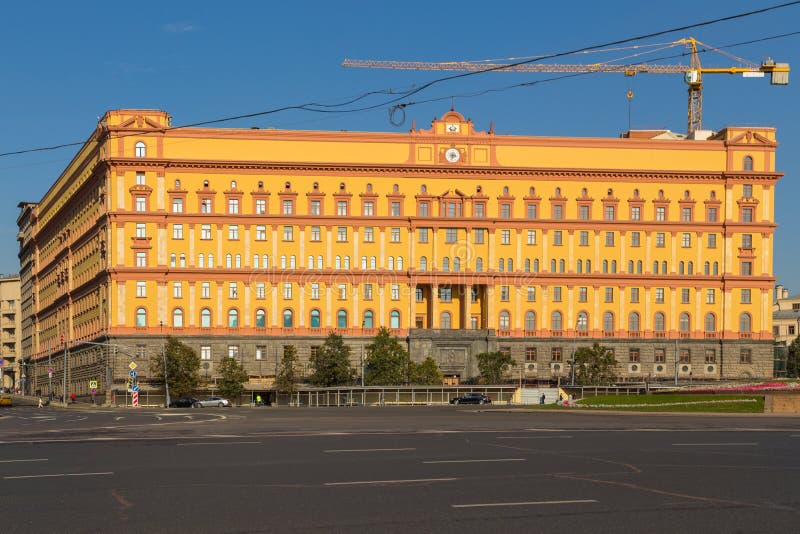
(258, 400)
(72, 398)
(541, 399)
(40, 403)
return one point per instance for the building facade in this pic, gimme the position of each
(785, 316)
(243, 241)
(10, 332)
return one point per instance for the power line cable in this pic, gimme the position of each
(331, 108)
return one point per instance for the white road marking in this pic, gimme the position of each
(219, 443)
(533, 437)
(369, 450)
(374, 482)
(749, 444)
(524, 503)
(61, 475)
(475, 461)
(26, 460)
(118, 418)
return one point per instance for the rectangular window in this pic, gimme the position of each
(205, 352)
(177, 290)
(555, 354)
(316, 207)
(660, 356)
(205, 290)
(686, 214)
(480, 210)
(636, 213)
(395, 291)
(610, 213)
(141, 289)
(745, 296)
(141, 204)
(140, 178)
(633, 355)
(205, 231)
(450, 235)
(423, 235)
(419, 295)
(394, 235)
(745, 356)
(505, 211)
(711, 356)
(480, 235)
(288, 233)
(287, 290)
(747, 214)
(205, 205)
(233, 232)
(747, 268)
(558, 211)
(141, 259)
(583, 212)
(396, 211)
(233, 351)
(583, 294)
(369, 208)
(342, 291)
(661, 213)
(747, 191)
(261, 206)
(531, 294)
(684, 295)
(659, 295)
(504, 294)
(609, 239)
(557, 238)
(530, 211)
(233, 290)
(367, 291)
(341, 234)
(686, 240)
(557, 294)
(505, 237)
(712, 240)
(261, 232)
(660, 241)
(261, 352)
(531, 237)
(609, 294)
(635, 239)
(445, 294)
(315, 291)
(530, 354)
(685, 356)
(341, 208)
(233, 205)
(369, 234)
(177, 205)
(711, 215)
(288, 207)
(424, 208)
(261, 290)
(583, 239)
(141, 230)
(453, 209)
(634, 295)
(747, 241)
(177, 231)
(316, 233)
(710, 296)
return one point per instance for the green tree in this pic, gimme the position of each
(331, 364)
(595, 365)
(183, 368)
(232, 379)
(493, 365)
(793, 358)
(288, 373)
(387, 362)
(426, 373)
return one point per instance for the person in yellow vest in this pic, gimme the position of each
(258, 400)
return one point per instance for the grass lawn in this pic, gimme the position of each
(677, 403)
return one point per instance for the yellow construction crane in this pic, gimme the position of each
(693, 73)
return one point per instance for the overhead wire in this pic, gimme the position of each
(332, 108)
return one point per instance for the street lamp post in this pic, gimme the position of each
(66, 362)
(164, 361)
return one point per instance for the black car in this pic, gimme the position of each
(472, 398)
(183, 402)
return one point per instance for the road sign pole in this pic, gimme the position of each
(49, 377)
(64, 389)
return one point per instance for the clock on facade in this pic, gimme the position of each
(452, 155)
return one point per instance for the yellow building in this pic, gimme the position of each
(241, 241)
(9, 332)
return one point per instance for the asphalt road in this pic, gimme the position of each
(392, 469)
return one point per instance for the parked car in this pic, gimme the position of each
(218, 402)
(183, 402)
(6, 400)
(472, 398)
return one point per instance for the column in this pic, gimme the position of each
(434, 318)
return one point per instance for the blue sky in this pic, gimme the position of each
(63, 66)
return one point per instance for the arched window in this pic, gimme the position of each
(710, 323)
(588, 266)
(663, 267)
(205, 318)
(579, 267)
(553, 268)
(288, 318)
(398, 263)
(228, 261)
(605, 266)
(478, 264)
(510, 265)
(210, 261)
(341, 319)
(639, 267)
(201, 260)
(505, 320)
(608, 322)
(555, 321)
(658, 323)
(456, 264)
(373, 262)
(715, 271)
(141, 149)
(368, 320)
(744, 323)
(690, 268)
(655, 267)
(337, 262)
(583, 321)
(233, 318)
(444, 323)
(633, 322)
(501, 264)
(446, 263)
(423, 263)
(747, 164)
(261, 318)
(536, 265)
(527, 265)
(530, 320)
(177, 318)
(310, 263)
(314, 318)
(613, 266)
(683, 322)
(390, 263)
(562, 265)
(680, 267)
(364, 263)
(319, 262)
(394, 319)
(141, 317)
(630, 266)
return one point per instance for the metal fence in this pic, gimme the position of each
(391, 396)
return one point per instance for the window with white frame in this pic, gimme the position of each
(531, 237)
(233, 290)
(177, 290)
(205, 352)
(261, 290)
(141, 259)
(394, 235)
(205, 290)
(233, 232)
(177, 231)
(261, 232)
(287, 290)
(288, 233)
(141, 230)
(205, 231)
(261, 206)
(141, 289)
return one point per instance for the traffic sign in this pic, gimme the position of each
(132, 366)
(49, 370)
(92, 384)
(135, 387)
(94, 390)
(1, 361)
(132, 373)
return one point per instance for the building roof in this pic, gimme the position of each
(786, 314)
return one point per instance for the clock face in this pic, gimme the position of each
(452, 128)
(452, 155)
